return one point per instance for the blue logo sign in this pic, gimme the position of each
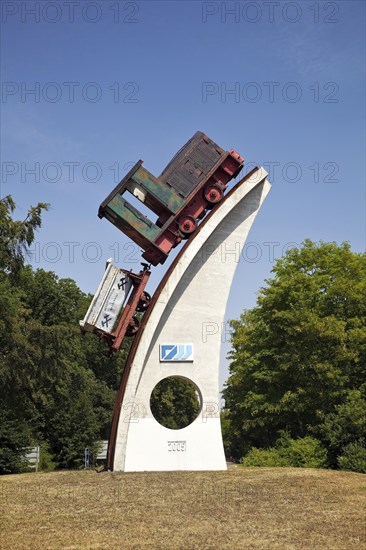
(176, 352)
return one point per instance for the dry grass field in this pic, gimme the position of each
(243, 508)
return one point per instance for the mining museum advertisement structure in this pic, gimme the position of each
(191, 207)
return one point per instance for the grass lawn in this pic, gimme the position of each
(250, 508)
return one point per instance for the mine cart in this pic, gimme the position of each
(193, 182)
(112, 312)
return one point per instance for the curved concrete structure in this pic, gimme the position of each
(188, 309)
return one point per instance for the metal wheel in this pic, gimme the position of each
(213, 193)
(187, 225)
(143, 302)
(133, 327)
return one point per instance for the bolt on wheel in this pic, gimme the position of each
(133, 327)
(187, 225)
(213, 193)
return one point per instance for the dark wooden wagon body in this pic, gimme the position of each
(193, 182)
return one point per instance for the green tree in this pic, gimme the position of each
(16, 411)
(17, 236)
(353, 457)
(300, 352)
(305, 452)
(15, 437)
(343, 427)
(58, 389)
(174, 402)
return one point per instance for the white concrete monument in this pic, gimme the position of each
(181, 336)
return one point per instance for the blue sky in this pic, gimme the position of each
(283, 83)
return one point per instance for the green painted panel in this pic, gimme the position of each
(134, 218)
(165, 194)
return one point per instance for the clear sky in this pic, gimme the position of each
(90, 87)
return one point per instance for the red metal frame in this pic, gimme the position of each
(194, 209)
(139, 282)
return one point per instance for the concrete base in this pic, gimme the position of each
(189, 310)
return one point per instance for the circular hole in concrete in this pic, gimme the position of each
(175, 402)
